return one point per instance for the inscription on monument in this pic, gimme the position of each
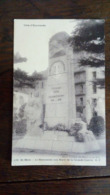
(57, 94)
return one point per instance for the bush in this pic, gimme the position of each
(21, 111)
(96, 125)
(21, 127)
(60, 127)
(75, 128)
(79, 137)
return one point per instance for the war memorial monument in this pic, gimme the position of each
(60, 94)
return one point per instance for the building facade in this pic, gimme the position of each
(90, 97)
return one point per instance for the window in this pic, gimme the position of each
(94, 106)
(81, 101)
(94, 88)
(80, 77)
(94, 75)
(81, 87)
(94, 101)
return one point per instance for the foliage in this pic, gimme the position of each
(96, 125)
(20, 75)
(58, 127)
(92, 62)
(35, 76)
(21, 111)
(79, 137)
(77, 126)
(89, 38)
(19, 122)
(21, 127)
(74, 129)
(21, 78)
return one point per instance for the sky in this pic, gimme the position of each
(31, 41)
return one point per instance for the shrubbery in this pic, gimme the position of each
(96, 125)
(21, 127)
(58, 127)
(19, 121)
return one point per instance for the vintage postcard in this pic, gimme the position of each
(59, 92)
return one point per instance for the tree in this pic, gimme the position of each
(89, 38)
(22, 78)
(20, 75)
(35, 76)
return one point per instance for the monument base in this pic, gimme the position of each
(56, 141)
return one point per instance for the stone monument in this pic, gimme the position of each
(60, 105)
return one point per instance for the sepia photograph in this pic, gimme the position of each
(59, 92)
